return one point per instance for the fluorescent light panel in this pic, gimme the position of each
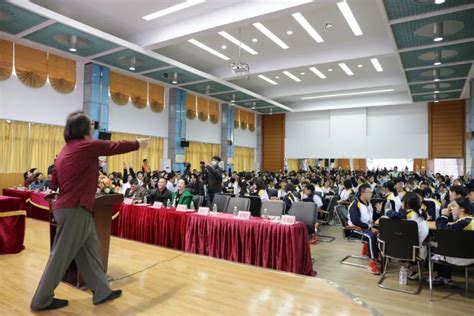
(292, 76)
(346, 94)
(237, 42)
(346, 69)
(268, 80)
(375, 62)
(172, 9)
(208, 49)
(317, 72)
(351, 20)
(307, 27)
(259, 26)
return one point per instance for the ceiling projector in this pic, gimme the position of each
(240, 68)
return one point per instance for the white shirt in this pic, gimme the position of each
(124, 188)
(345, 194)
(170, 186)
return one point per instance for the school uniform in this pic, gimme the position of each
(463, 223)
(362, 215)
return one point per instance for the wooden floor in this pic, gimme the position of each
(363, 285)
(174, 283)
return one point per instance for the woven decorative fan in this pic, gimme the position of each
(139, 102)
(214, 119)
(31, 79)
(190, 114)
(5, 73)
(251, 127)
(62, 86)
(203, 116)
(156, 106)
(119, 98)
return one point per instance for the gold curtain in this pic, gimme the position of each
(46, 142)
(27, 145)
(214, 111)
(243, 119)
(6, 59)
(138, 92)
(251, 121)
(191, 106)
(244, 159)
(236, 118)
(202, 109)
(119, 88)
(197, 152)
(154, 153)
(293, 165)
(156, 97)
(62, 73)
(31, 66)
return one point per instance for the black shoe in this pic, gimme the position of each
(115, 294)
(55, 304)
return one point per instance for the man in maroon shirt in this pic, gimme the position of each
(75, 175)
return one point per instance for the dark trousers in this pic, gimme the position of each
(371, 239)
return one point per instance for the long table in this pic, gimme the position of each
(255, 241)
(35, 205)
(12, 224)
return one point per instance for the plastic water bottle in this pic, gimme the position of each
(168, 204)
(265, 214)
(403, 275)
(214, 209)
(236, 211)
(145, 200)
(191, 206)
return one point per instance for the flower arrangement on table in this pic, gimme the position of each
(105, 186)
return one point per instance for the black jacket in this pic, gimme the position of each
(214, 179)
(157, 196)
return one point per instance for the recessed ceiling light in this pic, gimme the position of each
(330, 69)
(175, 78)
(291, 76)
(254, 40)
(347, 13)
(289, 32)
(375, 62)
(346, 69)
(329, 25)
(277, 77)
(436, 79)
(437, 91)
(172, 9)
(73, 43)
(237, 42)
(346, 94)
(437, 58)
(360, 66)
(439, 1)
(259, 26)
(302, 73)
(208, 49)
(254, 104)
(133, 61)
(268, 80)
(317, 72)
(307, 27)
(438, 32)
(223, 47)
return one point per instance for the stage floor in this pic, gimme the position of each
(159, 281)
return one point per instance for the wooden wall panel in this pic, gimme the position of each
(360, 164)
(344, 164)
(273, 139)
(420, 165)
(8, 180)
(446, 129)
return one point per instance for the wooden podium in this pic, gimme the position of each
(103, 223)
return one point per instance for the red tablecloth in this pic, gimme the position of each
(35, 205)
(12, 224)
(162, 227)
(255, 241)
(39, 208)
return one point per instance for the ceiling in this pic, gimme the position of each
(115, 32)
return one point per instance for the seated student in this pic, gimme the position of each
(391, 194)
(261, 190)
(289, 198)
(135, 191)
(171, 184)
(412, 211)
(460, 209)
(400, 187)
(161, 194)
(282, 189)
(196, 187)
(443, 194)
(433, 213)
(181, 195)
(38, 182)
(310, 196)
(361, 214)
(346, 193)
